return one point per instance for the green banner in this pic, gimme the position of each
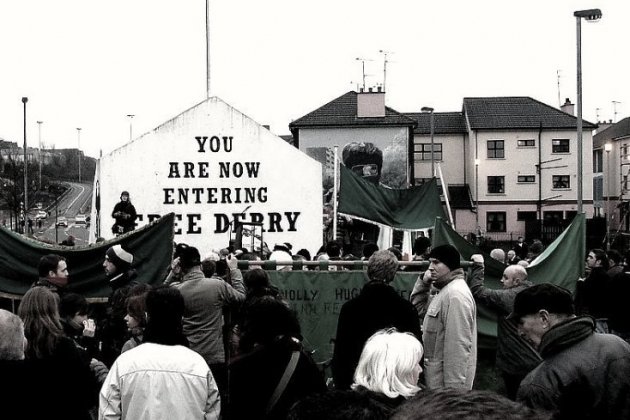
(151, 246)
(409, 209)
(317, 296)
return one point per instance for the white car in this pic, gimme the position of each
(62, 221)
(41, 214)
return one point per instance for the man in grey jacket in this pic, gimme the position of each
(515, 357)
(204, 300)
(449, 329)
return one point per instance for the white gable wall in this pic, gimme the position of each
(167, 170)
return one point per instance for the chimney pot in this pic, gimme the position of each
(370, 89)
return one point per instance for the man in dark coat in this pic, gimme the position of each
(125, 215)
(521, 248)
(591, 294)
(378, 306)
(113, 332)
(583, 375)
(515, 357)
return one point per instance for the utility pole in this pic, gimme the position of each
(39, 128)
(79, 150)
(130, 116)
(24, 101)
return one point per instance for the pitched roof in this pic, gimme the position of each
(342, 112)
(615, 131)
(517, 112)
(444, 122)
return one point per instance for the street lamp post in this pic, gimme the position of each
(39, 129)
(432, 130)
(24, 101)
(477, 194)
(590, 15)
(130, 116)
(608, 148)
(79, 150)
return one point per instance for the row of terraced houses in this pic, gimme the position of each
(510, 163)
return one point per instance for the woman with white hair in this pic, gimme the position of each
(389, 367)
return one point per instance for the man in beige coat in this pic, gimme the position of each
(449, 328)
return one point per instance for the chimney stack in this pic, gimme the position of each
(371, 103)
(568, 107)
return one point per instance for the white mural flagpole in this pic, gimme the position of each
(335, 176)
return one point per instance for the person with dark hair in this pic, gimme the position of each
(515, 358)
(162, 377)
(136, 319)
(125, 215)
(421, 250)
(339, 405)
(368, 250)
(65, 386)
(460, 404)
(583, 375)
(53, 273)
(521, 249)
(592, 293)
(449, 327)
(615, 263)
(304, 253)
(378, 306)
(205, 299)
(272, 371)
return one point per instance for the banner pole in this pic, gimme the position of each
(335, 176)
(445, 192)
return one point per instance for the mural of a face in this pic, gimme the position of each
(364, 159)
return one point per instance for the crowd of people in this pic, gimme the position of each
(211, 341)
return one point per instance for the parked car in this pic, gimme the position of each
(80, 219)
(62, 221)
(41, 214)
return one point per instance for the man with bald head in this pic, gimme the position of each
(515, 357)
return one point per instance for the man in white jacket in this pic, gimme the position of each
(161, 378)
(449, 328)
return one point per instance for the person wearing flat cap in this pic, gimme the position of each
(449, 326)
(583, 375)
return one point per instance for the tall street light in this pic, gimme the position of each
(79, 150)
(590, 15)
(130, 116)
(477, 194)
(39, 129)
(608, 148)
(432, 123)
(24, 101)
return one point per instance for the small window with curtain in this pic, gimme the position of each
(496, 184)
(561, 181)
(495, 221)
(560, 146)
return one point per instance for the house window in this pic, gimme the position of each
(422, 151)
(561, 181)
(526, 178)
(496, 149)
(526, 143)
(552, 217)
(496, 184)
(495, 221)
(522, 216)
(560, 146)
(598, 161)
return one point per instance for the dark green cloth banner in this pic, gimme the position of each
(317, 296)
(151, 246)
(409, 209)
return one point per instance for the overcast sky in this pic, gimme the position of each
(88, 63)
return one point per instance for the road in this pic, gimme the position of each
(78, 200)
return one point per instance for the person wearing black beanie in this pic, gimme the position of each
(449, 328)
